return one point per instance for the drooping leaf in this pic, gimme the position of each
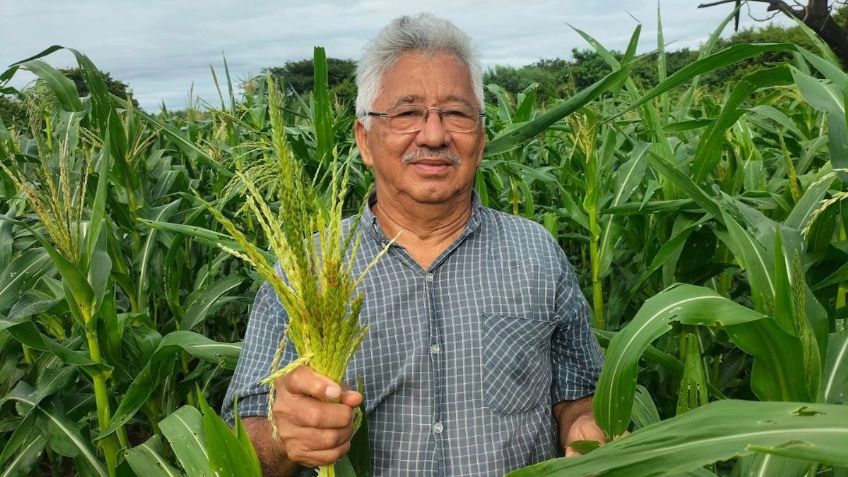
(161, 363)
(184, 430)
(717, 431)
(146, 459)
(613, 401)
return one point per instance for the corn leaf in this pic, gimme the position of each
(613, 401)
(205, 300)
(184, 430)
(514, 137)
(717, 431)
(162, 362)
(146, 459)
(229, 456)
(20, 275)
(835, 376)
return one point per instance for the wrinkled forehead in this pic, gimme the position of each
(426, 77)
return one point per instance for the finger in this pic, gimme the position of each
(571, 452)
(305, 411)
(327, 439)
(320, 457)
(303, 380)
(351, 398)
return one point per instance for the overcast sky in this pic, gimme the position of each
(162, 48)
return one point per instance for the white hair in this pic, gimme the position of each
(422, 33)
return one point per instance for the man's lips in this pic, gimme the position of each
(430, 166)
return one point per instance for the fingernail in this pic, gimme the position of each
(333, 392)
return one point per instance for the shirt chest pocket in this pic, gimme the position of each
(516, 363)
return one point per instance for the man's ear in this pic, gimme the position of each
(362, 142)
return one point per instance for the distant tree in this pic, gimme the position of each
(819, 15)
(116, 87)
(299, 77)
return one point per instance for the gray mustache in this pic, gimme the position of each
(442, 154)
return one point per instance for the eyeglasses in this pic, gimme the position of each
(410, 118)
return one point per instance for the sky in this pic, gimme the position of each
(164, 49)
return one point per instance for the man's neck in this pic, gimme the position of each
(424, 230)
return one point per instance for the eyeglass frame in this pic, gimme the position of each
(438, 109)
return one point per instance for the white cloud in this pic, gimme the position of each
(163, 47)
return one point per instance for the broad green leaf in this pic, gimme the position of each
(98, 207)
(726, 57)
(673, 174)
(693, 386)
(835, 377)
(791, 314)
(613, 401)
(717, 431)
(808, 203)
(146, 460)
(628, 177)
(322, 112)
(184, 430)
(228, 455)
(651, 207)
(143, 261)
(63, 433)
(644, 410)
(512, 138)
(754, 258)
(669, 250)
(186, 144)
(64, 89)
(81, 296)
(25, 459)
(778, 371)
(709, 149)
(829, 99)
(209, 237)
(6, 227)
(32, 303)
(202, 301)
(762, 464)
(20, 275)
(24, 433)
(99, 272)
(160, 365)
(26, 332)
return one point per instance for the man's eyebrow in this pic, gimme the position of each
(407, 99)
(458, 99)
(413, 98)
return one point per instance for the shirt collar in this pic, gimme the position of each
(374, 230)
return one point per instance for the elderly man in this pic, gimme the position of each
(479, 355)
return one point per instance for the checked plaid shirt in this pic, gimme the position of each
(464, 360)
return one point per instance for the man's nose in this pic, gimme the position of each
(433, 133)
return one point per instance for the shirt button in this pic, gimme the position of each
(435, 349)
(438, 428)
(429, 277)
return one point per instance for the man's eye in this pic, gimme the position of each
(407, 114)
(457, 113)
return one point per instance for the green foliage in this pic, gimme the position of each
(706, 222)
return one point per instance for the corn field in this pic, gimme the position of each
(708, 230)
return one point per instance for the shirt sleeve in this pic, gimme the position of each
(265, 329)
(576, 356)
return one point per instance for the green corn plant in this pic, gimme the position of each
(318, 289)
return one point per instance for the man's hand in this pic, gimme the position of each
(577, 423)
(314, 417)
